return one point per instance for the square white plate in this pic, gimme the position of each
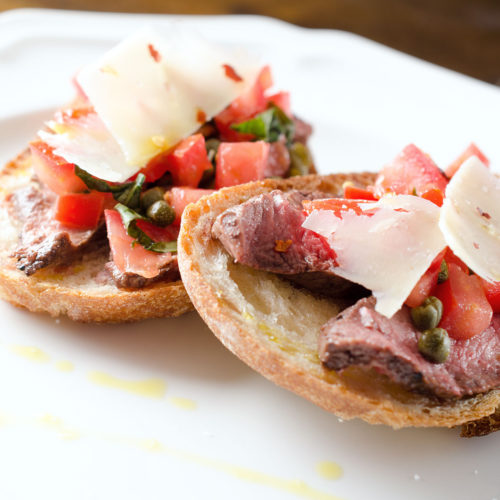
(205, 425)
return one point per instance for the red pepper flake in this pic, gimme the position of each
(476, 245)
(486, 215)
(201, 116)
(154, 53)
(282, 246)
(231, 73)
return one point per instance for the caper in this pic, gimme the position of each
(443, 272)
(434, 345)
(161, 213)
(151, 196)
(428, 315)
(300, 160)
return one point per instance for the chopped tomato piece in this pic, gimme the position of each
(472, 150)
(412, 170)
(157, 233)
(451, 258)
(426, 284)
(466, 311)
(128, 255)
(79, 210)
(240, 162)
(435, 195)
(337, 205)
(355, 193)
(251, 102)
(180, 197)
(55, 172)
(186, 162)
(282, 100)
(492, 291)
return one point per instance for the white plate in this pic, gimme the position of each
(235, 435)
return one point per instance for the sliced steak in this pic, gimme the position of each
(266, 233)
(302, 130)
(43, 241)
(278, 161)
(361, 336)
(167, 274)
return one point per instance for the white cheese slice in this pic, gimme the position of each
(387, 252)
(88, 143)
(470, 218)
(152, 90)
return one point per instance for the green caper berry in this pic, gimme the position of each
(151, 196)
(161, 213)
(443, 272)
(428, 315)
(300, 160)
(434, 345)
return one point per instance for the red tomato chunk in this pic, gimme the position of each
(180, 197)
(411, 170)
(466, 311)
(55, 172)
(186, 162)
(492, 291)
(240, 162)
(426, 284)
(472, 150)
(79, 210)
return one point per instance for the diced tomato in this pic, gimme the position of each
(265, 78)
(157, 233)
(451, 258)
(79, 210)
(435, 195)
(466, 311)
(186, 162)
(251, 102)
(55, 172)
(240, 162)
(472, 150)
(282, 100)
(426, 284)
(412, 170)
(180, 197)
(129, 256)
(337, 205)
(492, 291)
(355, 193)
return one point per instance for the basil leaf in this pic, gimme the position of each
(127, 193)
(269, 125)
(130, 218)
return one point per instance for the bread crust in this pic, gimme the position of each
(355, 394)
(57, 291)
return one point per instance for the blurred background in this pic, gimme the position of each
(463, 35)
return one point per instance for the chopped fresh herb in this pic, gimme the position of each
(269, 125)
(130, 218)
(301, 160)
(126, 193)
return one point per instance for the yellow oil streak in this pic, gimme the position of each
(183, 403)
(56, 424)
(294, 486)
(152, 388)
(329, 470)
(65, 366)
(31, 352)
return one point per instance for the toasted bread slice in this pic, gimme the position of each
(273, 326)
(75, 290)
